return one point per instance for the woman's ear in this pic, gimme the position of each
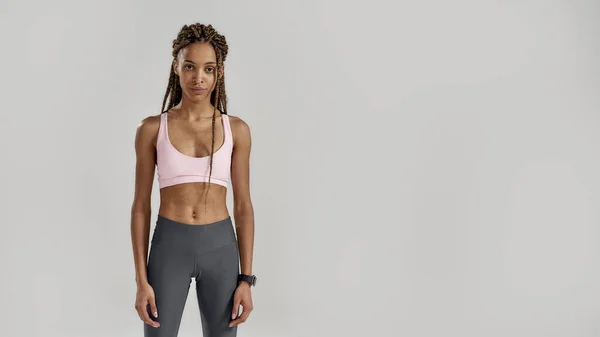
(222, 71)
(174, 65)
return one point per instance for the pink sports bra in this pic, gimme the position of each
(174, 167)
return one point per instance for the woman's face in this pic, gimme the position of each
(196, 66)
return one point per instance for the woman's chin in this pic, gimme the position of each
(197, 98)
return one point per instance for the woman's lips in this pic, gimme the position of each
(198, 90)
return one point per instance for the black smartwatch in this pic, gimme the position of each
(251, 279)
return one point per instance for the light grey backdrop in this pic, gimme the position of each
(418, 169)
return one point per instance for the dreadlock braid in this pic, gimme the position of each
(204, 34)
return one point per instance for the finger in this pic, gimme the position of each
(146, 317)
(153, 308)
(143, 313)
(243, 317)
(236, 309)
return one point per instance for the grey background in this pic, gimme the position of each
(418, 169)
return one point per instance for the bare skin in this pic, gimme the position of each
(190, 132)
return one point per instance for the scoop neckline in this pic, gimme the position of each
(192, 157)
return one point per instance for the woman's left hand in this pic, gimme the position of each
(241, 297)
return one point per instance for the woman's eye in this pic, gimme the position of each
(186, 67)
(210, 69)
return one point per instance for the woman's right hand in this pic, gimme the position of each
(145, 297)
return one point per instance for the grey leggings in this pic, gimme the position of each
(206, 253)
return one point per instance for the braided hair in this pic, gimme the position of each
(203, 34)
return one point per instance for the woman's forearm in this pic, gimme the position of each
(244, 224)
(140, 231)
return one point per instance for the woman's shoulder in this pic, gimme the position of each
(239, 129)
(237, 122)
(150, 122)
(147, 128)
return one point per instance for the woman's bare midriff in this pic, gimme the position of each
(185, 203)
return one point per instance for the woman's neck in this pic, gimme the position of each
(201, 110)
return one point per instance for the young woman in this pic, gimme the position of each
(197, 149)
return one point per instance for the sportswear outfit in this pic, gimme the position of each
(181, 252)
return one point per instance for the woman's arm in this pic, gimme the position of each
(140, 210)
(240, 180)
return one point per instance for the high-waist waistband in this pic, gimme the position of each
(191, 227)
(197, 238)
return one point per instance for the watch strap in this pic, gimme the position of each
(251, 279)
